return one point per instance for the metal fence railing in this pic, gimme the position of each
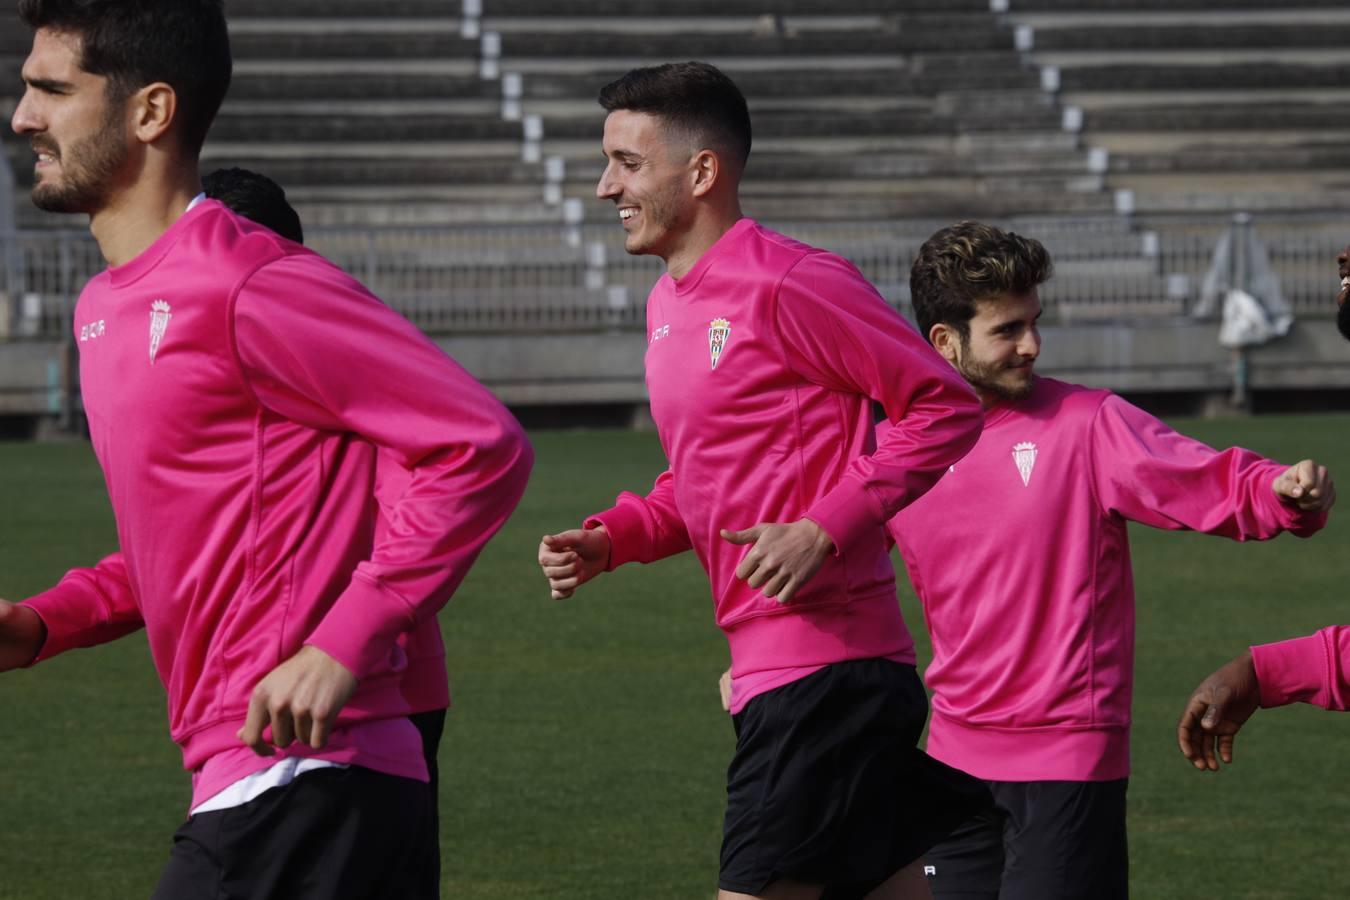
(1302, 258)
(578, 278)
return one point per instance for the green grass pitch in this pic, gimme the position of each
(586, 751)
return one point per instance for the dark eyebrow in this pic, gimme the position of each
(49, 85)
(1012, 323)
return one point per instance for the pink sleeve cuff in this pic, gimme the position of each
(1289, 517)
(52, 645)
(362, 627)
(71, 623)
(624, 523)
(846, 513)
(1290, 671)
(1302, 523)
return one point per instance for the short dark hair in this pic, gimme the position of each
(969, 262)
(690, 97)
(257, 197)
(183, 43)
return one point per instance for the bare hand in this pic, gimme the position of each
(22, 635)
(1216, 712)
(1307, 485)
(300, 699)
(724, 688)
(783, 558)
(572, 558)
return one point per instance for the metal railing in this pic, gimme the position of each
(578, 278)
(1304, 259)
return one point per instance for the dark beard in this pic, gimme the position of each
(86, 170)
(1343, 319)
(984, 379)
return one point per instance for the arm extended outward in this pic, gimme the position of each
(1313, 669)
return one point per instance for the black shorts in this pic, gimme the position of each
(1038, 840)
(431, 726)
(827, 786)
(331, 834)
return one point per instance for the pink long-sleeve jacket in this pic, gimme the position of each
(241, 391)
(762, 365)
(1022, 561)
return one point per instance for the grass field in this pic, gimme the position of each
(585, 754)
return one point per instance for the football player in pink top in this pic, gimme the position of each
(242, 394)
(764, 357)
(259, 198)
(1021, 559)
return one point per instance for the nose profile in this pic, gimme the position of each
(1030, 345)
(604, 188)
(23, 120)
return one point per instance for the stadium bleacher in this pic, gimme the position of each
(447, 150)
(862, 110)
(445, 111)
(1203, 107)
(376, 113)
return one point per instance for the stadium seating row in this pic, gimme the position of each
(1122, 118)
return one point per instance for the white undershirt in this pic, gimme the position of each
(278, 774)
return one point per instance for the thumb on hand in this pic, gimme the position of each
(1214, 711)
(1288, 484)
(1210, 719)
(744, 536)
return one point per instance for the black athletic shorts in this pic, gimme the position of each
(827, 786)
(431, 726)
(1038, 840)
(331, 834)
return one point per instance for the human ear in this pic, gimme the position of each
(706, 170)
(944, 340)
(154, 107)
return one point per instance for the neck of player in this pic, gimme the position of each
(135, 216)
(709, 224)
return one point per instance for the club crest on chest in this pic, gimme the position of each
(1024, 455)
(719, 335)
(159, 326)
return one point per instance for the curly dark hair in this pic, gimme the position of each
(968, 262)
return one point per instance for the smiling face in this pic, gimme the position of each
(998, 356)
(76, 130)
(650, 179)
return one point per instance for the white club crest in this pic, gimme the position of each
(159, 324)
(719, 333)
(1024, 454)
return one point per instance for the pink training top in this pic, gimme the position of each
(1313, 669)
(241, 391)
(762, 363)
(1021, 559)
